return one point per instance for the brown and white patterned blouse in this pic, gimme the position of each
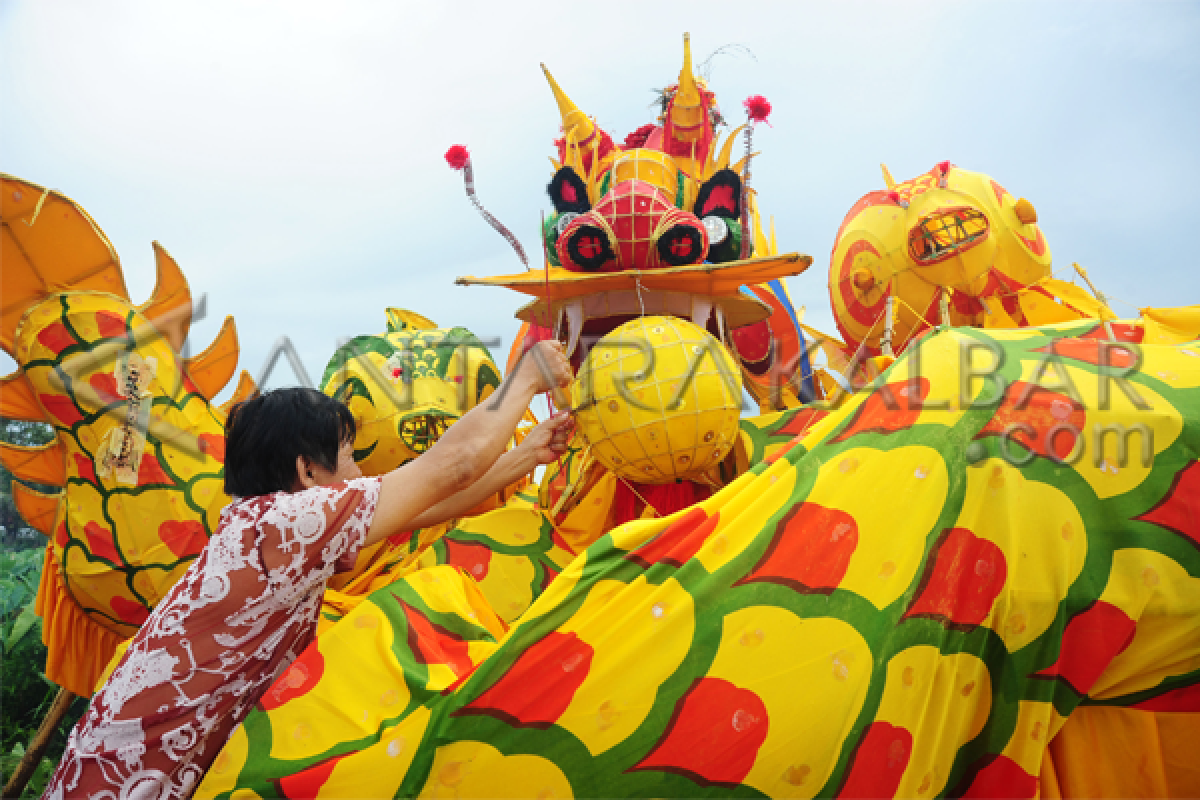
(240, 614)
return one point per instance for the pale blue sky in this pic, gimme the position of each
(289, 154)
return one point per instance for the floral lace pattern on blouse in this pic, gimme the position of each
(241, 613)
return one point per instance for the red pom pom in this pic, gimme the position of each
(457, 156)
(943, 167)
(639, 137)
(758, 108)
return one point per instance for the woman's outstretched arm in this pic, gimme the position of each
(542, 445)
(470, 447)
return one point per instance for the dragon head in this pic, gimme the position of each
(657, 226)
(947, 234)
(665, 198)
(406, 386)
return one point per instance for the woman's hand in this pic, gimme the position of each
(542, 445)
(545, 367)
(547, 441)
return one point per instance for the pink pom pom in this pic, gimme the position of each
(758, 108)
(457, 156)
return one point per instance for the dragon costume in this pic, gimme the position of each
(957, 581)
(137, 460)
(954, 582)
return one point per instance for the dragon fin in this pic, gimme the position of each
(722, 159)
(43, 464)
(17, 400)
(246, 388)
(170, 304)
(49, 245)
(39, 509)
(212, 369)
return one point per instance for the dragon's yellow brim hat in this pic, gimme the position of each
(557, 287)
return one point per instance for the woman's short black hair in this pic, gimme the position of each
(265, 434)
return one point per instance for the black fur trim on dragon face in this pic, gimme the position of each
(588, 247)
(720, 195)
(569, 195)
(719, 207)
(681, 245)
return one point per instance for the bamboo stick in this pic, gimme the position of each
(886, 346)
(41, 739)
(1103, 301)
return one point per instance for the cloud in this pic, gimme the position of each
(289, 154)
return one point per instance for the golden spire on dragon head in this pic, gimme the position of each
(687, 123)
(583, 144)
(687, 114)
(577, 127)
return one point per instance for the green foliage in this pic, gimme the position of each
(41, 774)
(20, 572)
(26, 434)
(25, 693)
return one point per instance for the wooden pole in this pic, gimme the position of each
(745, 220)
(33, 756)
(851, 368)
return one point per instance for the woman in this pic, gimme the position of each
(248, 605)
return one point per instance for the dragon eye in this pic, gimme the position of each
(588, 247)
(717, 229)
(682, 244)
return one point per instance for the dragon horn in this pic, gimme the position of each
(688, 119)
(689, 93)
(576, 125)
(887, 178)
